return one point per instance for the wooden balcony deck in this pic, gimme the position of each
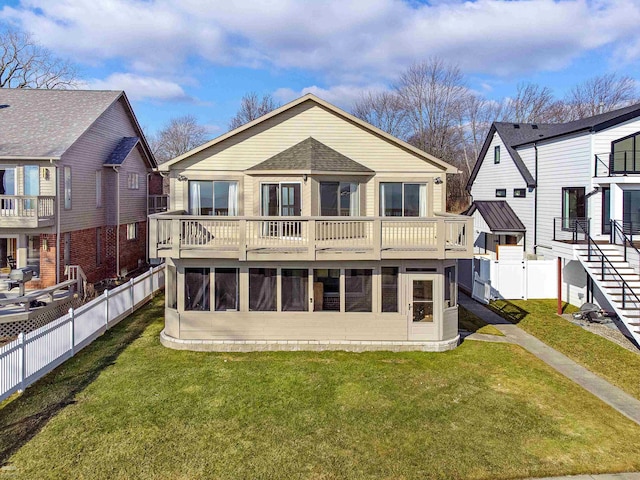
(178, 235)
(20, 211)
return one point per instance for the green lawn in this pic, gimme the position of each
(472, 323)
(126, 407)
(538, 317)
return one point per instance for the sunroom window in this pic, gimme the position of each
(218, 198)
(403, 199)
(339, 199)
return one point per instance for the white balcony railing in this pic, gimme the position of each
(177, 235)
(34, 208)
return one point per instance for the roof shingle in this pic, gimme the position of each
(311, 155)
(45, 123)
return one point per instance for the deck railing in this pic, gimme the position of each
(174, 233)
(17, 206)
(157, 203)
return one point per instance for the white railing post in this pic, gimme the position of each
(23, 363)
(131, 295)
(106, 310)
(151, 275)
(72, 335)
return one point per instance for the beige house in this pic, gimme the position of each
(309, 229)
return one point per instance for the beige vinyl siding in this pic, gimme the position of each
(274, 135)
(505, 175)
(561, 164)
(86, 156)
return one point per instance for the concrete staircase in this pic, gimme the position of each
(619, 280)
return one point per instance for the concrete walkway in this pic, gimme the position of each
(608, 393)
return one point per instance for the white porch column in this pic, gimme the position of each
(616, 202)
(21, 251)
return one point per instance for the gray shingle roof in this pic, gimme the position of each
(311, 155)
(45, 123)
(122, 150)
(498, 215)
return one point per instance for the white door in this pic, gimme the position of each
(422, 307)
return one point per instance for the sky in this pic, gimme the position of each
(200, 57)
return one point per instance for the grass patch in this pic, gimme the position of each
(472, 323)
(603, 357)
(482, 411)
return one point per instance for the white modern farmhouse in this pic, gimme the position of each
(309, 229)
(569, 192)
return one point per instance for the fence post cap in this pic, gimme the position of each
(71, 311)
(106, 292)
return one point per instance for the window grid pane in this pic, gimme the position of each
(358, 292)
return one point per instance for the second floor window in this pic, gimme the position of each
(496, 154)
(218, 198)
(98, 188)
(67, 188)
(339, 199)
(133, 181)
(403, 199)
(625, 154)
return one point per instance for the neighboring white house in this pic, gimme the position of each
(569, 185)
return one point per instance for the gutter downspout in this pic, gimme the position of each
(146, 250)
(535, 204)
(115, 169)
(57, 177)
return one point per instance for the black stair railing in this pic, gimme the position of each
(618, 234)
(607, 268)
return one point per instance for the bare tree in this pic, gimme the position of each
(533, 103)
(384, 110)
(179, 135)
(601, 94)
(432, 94)
(252, 107)
(474, 121)
(26, 64)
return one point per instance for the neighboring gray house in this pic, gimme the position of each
(73, 183)
(575, 188)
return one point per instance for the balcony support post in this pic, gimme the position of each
(242, 240)
(175, 237)
(377, 238)
(311, 239)
(441, 233)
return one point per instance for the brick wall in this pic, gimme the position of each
(83, 253)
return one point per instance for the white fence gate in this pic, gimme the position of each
(511, 280)
(33, 355)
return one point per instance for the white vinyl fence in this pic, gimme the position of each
(33, 355)
(490, 279)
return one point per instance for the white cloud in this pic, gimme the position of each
(141, 87)
(341, 95)
(347, 41)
